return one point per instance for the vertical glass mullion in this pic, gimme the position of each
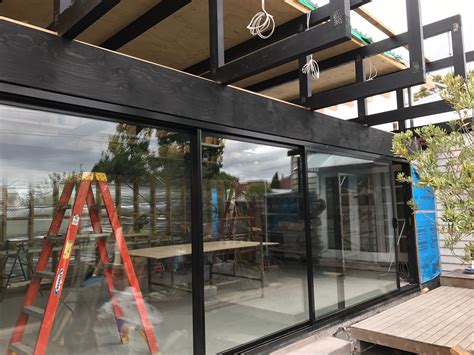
(395, 223)
(199, 338)
(309, 249)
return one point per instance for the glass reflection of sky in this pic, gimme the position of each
(34, 144)
(250, 161)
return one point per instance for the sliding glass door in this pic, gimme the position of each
(149, 175)
(351, 230)
(254, 241)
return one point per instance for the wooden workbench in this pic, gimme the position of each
(171, 251)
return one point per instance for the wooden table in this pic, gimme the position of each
(171, 251)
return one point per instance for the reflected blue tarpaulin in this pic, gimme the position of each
(426, 231)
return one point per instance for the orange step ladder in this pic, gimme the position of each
(84, 196)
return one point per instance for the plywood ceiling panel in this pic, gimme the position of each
(119, 17)
(183, 39)
(35, 12)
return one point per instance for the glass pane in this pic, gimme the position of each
(254, 241)
(351, 230)
(148, 173)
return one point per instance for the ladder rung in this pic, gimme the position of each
(55, 238)
(92, 235)
(20, 348)
(80, 236)
(45, 274)
(34, 311)
(116, 266)
(64, 207)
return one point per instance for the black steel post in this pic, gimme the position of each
(309, 247)
(394, 223)
(199, 336)
(415, 39)
(216, 35)
(360, 77)
(304, 79)
(400, 105)
(459, 56)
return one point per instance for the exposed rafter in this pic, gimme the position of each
(80, 15)
(146, 21)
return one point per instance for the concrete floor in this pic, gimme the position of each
(238, 313)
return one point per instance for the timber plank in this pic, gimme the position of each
(459, 337)
(402, 311)
(434, 316)
(401, 308)
(428, 324)
(467, 342)
(445, 327)
(399, 342)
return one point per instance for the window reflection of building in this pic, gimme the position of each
(357, 257)
(253, 194)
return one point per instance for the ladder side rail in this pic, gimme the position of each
(42, 264)
(127, 263)
(104, 258)
(61, 271)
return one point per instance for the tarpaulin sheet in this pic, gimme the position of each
(426, 231)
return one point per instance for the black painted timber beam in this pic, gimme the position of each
(115, 85)
(457, 60)
(430, 30)
(282, 31)
(411, 112)
(406, 113)
(333, 32)
(152, 17)
(216, 34)
(415, 75)
(80, 16)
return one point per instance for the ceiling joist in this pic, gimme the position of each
(80, 16)
(142, 24)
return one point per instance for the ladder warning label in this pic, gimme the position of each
(57, 286)
(67, 249)
(75, 220)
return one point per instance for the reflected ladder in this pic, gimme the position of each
(84, 196)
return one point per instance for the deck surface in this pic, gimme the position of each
(432, 323)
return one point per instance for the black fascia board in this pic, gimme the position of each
(41, 61)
